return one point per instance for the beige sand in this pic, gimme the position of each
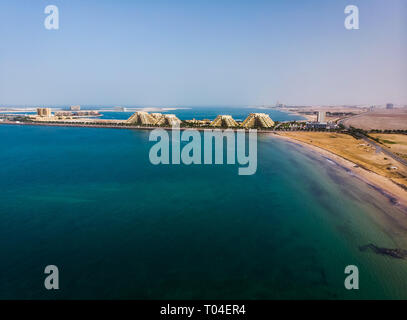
(396, 143)
(395, 119)
(380, 182)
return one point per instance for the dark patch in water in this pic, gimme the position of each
(338, 164)
(392, 199)
(316, 189)
(394, 253)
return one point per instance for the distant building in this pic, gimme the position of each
(44, 112)
(389, 106)
(224, 121)
(75, 108)
(321, 117)
(120, 109)
(258, 120)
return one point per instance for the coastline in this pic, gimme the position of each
(394, 193)
(112, 126)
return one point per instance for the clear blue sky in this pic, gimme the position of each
(202, 52)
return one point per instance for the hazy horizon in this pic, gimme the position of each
(192, 106)
(202, 53)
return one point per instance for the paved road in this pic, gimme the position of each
(379, 148)
(385, 150)
(352, 117)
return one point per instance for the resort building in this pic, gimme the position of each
(44, 112)
(258, 120)
(159, 119)
(224, 121)
(141, 117)
(75, 108)
(170, 120)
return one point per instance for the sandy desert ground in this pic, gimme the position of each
(396, 143)
(395, 119)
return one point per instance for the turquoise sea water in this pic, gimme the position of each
(89, 201)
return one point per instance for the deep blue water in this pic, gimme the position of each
(89, 201)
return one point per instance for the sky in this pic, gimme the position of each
(203, 53)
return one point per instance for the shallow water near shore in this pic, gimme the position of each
(89, 201)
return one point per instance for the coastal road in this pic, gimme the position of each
(384, 150)
(341, 121)
(378, 147)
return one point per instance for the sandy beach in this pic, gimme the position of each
(395, 194)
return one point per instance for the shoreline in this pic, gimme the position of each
(396, 195)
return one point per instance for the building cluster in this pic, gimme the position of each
(43, 114)
(254, 120)
(87, 113)
(142, 118)
(321, 122)
(154, 119)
